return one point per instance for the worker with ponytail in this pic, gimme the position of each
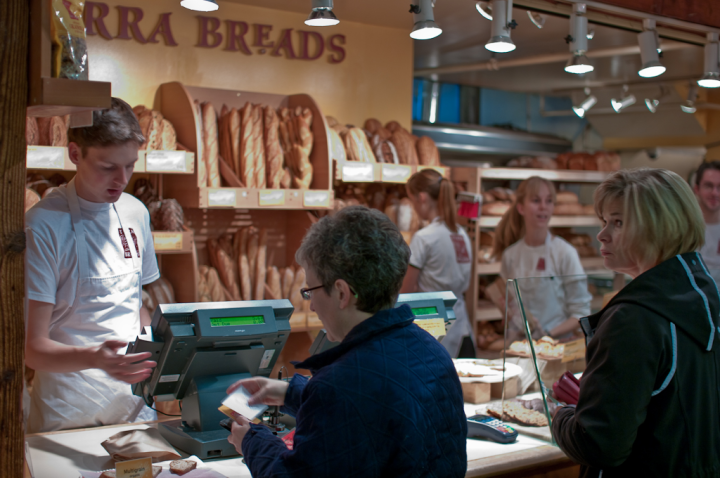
(441, 254)
(552, 280)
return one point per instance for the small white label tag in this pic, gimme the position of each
(316, 199)
(396, 173)
(358, 172)
(169, 378)
(221, 198)
(45, 157)
(166, 162)
(267, 356)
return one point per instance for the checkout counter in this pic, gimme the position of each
(203, 348)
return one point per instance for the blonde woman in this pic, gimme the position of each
(553, 285)
(649, 403)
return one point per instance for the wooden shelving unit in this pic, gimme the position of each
(560, 175)
(555, 221)
(356, 172)
(590, 264)
(56, 158)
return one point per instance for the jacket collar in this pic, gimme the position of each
(379, 323)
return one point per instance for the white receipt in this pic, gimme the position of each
(238, 402)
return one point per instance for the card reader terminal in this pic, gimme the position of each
(484, 426)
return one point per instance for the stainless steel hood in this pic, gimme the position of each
(468, 143)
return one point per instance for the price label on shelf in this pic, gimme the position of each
(165, 162)
(316, 199)
(358, 172)
(168, 241)
(271, 197)
(222, 197)
(46, 157)
(434, 327)
(396, 173)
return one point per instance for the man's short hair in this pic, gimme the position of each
(704, 167)
(362, 247)
(661, 217)
(114, 126)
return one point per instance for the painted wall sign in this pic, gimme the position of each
(213, 32)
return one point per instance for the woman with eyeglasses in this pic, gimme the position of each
(387, 400)
(441, 254)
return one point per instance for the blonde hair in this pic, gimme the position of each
(661, 217)
(512, 225)
(438, 188)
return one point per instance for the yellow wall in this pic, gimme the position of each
(374, 80)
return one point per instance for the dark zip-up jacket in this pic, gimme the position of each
(385, 402)
(650, 395)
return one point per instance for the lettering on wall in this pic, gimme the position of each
(228, 35)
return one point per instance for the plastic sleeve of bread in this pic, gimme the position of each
(261, 266)
(211, 149)
(155, 142)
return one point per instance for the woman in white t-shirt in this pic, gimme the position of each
(553, 286)
(441, 254)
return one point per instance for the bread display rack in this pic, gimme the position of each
(177, 103)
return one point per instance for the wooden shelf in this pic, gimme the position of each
(590, 264)
(555, 221)
(168, 242)
(357, 172)
(570, 176)
(487, 312)
(176, 102)
(56, 158)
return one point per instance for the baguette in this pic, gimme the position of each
(296, 298)
(202, 177)
(302, 169)
(273, 282)
(225, 138)
(211, 147)
(240, 244)
(261, 266)
(273, 150)
(286, 180)
(247, 159)
(305, 136)
(252, 253)
(259, 148)
(233, 126)
(203, 290)
(225, 267)
(216, 289)
(288, 276)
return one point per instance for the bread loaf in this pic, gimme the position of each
(298, 283)
(202, 175)
(428, 154)
(225, 140)
(385, 151)
(588, 210)
(170, 217)
(248, 150)
(576, 162)
(203, 291)
(233, 127)
(217, 293)
(566, 197)
(495, 209)
(273, 150)
(58, 132)
(273, 282)
(138, 110)
(44, 131)
(357, 147)
(286, 180)
(305, 136)
(155, 142)
(393, 126)
(211, 149)
(32, 134)
(590, 163)
(288, 276)
(181, 467)
(372, 125)
(405, 148)
(225, 267)
(259, 147)
(337, 148)
(252, 252)
(169, 136)
(331, 121)
(569, 209)
(562, 160)
(241, 243)
(261, 266)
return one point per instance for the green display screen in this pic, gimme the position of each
(425, 311)
(232, 321)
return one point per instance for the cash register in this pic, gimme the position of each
(425, 306)
(201, 349)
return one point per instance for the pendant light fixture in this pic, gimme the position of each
(652, 104)
(484, 9)
(689, 105)
(425, 27)
(200, 5)
(586, 104)
(322, 14)
(711, 78)
(649, 51)
(578, 41)
(500, 41)
(624, 102)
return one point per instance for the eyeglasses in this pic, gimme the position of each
(305, 293)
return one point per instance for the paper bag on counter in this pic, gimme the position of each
(133, 444)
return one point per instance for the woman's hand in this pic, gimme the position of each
(262, 390)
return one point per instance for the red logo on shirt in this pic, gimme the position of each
(461, 252)
(123, 239)
(541, 264)
(134, 237)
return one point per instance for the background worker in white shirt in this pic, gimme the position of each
(707, 191)
(89, 252)
(553, 285)
(441, 254)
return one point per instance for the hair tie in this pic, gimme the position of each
(440, 180)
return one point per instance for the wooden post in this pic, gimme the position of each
(14, 21)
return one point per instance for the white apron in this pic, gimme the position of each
(461, 328)
(104, 308)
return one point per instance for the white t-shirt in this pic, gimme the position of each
(51, 263)
(555, 285)
(711, 250)
(443, 257)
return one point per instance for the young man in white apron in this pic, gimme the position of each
(89, 252)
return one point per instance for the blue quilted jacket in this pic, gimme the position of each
(386, 402)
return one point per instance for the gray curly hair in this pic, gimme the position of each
(362, 247)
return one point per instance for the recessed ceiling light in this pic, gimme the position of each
(200, 5)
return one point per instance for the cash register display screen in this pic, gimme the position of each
(232, 321)
(425, 311)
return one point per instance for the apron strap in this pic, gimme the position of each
(75, 215)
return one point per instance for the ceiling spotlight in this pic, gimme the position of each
(711, 78)
(485, 9)
(500, 41)
(624, 102)
(689, 105)
(649, 49)
(537, 19)
(321, 14)
(652, 104)
(200, 5)
(577, 39)
(586, 104)
(425, 26)
(590, 34)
